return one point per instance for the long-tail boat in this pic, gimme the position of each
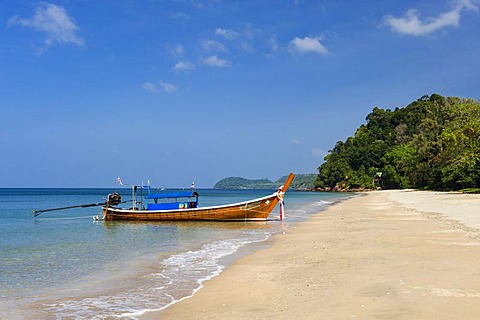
(184, 206)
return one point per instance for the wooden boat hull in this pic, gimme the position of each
(253, 210)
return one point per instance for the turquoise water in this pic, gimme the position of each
(64, 265)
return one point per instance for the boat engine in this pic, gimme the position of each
(114, 199)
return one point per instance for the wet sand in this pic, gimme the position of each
(384, 255)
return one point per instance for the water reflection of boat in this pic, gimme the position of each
(189, 225)
(183, 206)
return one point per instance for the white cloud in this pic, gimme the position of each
(307, 45)
(183, 66)
(164, 86)
(212, 45)
(177, 50)
(54, 21)
(296, 141)
(246, 47)
(215, 61)
(243, 39)
(273, 44)
(148, 86)
(168, 87)
(180, 16)
(411, 24)
(226, 33)
(201, 4)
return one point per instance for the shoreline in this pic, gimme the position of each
(387, 254)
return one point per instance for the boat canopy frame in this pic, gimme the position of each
(163, 201)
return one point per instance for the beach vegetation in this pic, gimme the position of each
(433, 143)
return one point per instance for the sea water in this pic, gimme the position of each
(65, 265)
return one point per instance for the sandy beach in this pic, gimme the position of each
(383, 255)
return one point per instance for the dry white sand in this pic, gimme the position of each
(385, 255)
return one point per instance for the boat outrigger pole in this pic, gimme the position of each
(113, 199)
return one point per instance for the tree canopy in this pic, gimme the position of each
(433, 143)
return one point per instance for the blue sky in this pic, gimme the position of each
(188, 90)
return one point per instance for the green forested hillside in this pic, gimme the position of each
(301, 182)
(433, 143)
(242, 183)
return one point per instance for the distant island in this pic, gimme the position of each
(301, 182)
